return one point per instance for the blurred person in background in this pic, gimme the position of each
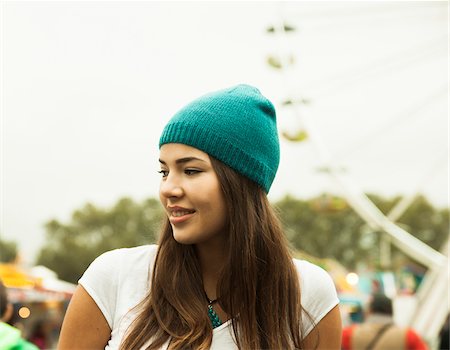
(38, 335)
(222, 276)
(378, 331)
(10, 337)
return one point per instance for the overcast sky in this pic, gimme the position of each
(88, 86)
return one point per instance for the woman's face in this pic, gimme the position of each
(190, 194)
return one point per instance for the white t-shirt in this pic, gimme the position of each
(119, 279)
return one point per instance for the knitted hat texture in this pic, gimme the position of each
(236, 126)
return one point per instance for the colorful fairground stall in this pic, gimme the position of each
(39, 299)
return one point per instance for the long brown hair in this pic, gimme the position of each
(258, 287)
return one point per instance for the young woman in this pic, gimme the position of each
(221, 276)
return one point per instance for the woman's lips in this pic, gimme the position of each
(179, 218)
(179, 214)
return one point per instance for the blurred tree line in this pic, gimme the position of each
(327, 227)
(8, 251)
(324, 227)
(71, 247)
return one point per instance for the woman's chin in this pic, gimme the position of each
(183, 239)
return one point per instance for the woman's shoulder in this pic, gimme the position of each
(131, 253)
(317, 286)
(108, 265)
(318, 292)
(121, 256)
(314, 278)
(117, 279)
(308, 270)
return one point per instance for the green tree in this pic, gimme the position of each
(71, 247)
(322, 231)
(427, 223)
(8, 251)
(326, 227)
(422, 220)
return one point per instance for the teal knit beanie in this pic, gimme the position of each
(236, 126)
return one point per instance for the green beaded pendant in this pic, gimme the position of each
(215, 320)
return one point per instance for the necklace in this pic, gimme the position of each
(213, 317)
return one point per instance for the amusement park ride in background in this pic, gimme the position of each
(428, 310)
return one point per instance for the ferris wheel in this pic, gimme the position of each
(393, 63)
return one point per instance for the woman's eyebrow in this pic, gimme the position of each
(183, 160)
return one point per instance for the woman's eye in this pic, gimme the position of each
(191, 171)
(164, 173)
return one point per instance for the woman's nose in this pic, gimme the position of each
(171, 187)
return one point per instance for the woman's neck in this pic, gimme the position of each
(212, 256)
